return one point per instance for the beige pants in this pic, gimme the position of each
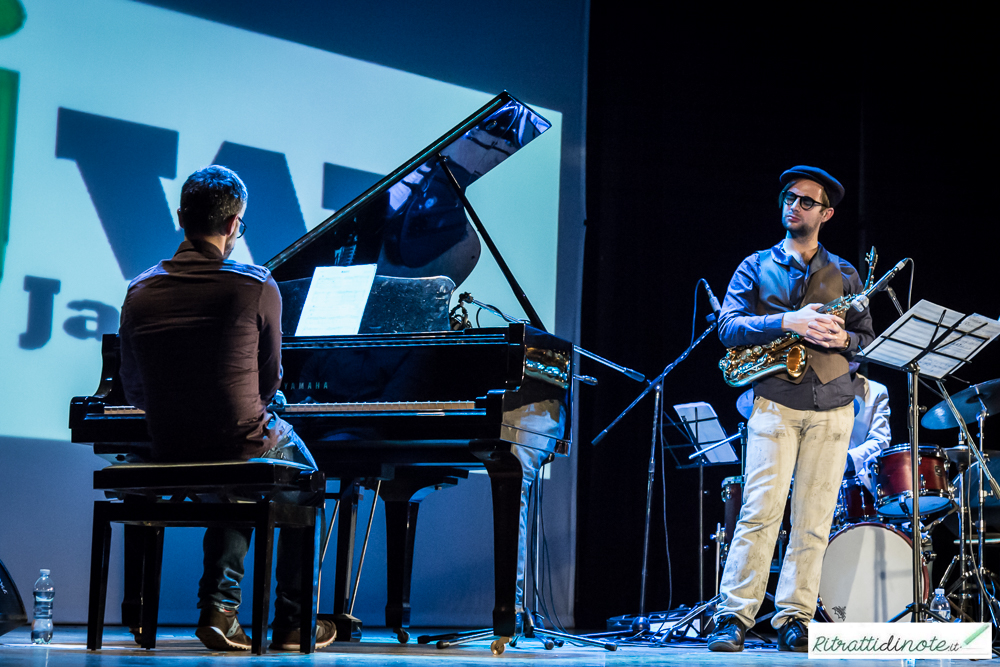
(812, 445)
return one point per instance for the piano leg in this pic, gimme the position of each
(512, 470)
(348, 627)
(402, 496)
(132, 597)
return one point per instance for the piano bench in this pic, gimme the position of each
(248, 494)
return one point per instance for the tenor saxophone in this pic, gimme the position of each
(744, 364)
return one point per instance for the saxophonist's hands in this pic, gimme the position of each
(825, 330)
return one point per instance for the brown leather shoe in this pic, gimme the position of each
(219, 630)
(288, 640)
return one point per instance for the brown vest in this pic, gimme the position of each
(824, 286)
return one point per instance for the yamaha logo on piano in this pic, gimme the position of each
(289, 386)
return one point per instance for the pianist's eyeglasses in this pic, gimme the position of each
(243, 228)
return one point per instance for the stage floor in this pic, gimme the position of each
(178, 647)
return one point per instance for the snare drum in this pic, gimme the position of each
(854, 504)
(868, 575)
(894, 490)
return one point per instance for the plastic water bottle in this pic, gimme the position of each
(41, 625)
(940, 606)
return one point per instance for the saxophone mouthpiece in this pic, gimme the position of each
(860, 303)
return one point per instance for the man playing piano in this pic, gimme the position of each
(799, 427)
(201, 354)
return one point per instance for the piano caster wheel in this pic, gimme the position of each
(497, 645)
(402, 636)
(549, 644)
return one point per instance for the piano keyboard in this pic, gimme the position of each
(410, 407)
(422, 407)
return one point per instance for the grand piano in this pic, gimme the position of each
(407, 405)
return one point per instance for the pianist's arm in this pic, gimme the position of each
(269, 342)
(129, 370)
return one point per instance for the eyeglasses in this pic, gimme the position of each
(243, 226)
(805, 202)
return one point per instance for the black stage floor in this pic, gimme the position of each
(178, 647)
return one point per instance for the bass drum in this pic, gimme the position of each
(868, 575)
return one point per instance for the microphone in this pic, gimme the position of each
(712, 302)
(883, 282)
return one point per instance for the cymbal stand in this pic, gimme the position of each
(978, 570)
(962, 559)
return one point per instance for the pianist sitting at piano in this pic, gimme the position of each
(201, 354)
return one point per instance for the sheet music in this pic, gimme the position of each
(705, 430)
(898, 345)
(336, 300)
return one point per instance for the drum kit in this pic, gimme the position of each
(867, 572)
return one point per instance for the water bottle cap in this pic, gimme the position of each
(44, 571)
(938, 591)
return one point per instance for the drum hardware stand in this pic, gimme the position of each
(898, 348)
(979, 571)
(962, 559)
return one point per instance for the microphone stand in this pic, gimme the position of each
(640, 626)
(657, 383)
(465, 297)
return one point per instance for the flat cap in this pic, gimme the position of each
(834, 190)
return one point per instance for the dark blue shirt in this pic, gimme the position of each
(740, 324)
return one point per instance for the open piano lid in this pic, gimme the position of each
(412, 223)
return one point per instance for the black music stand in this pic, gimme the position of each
(932, 341)
(712, 447)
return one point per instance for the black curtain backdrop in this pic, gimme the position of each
(690, 121)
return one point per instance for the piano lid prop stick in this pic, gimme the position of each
(522, 298)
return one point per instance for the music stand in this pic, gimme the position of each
(932, 341)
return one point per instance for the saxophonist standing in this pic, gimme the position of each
(798, 427)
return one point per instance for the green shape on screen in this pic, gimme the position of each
(8, 122)
(11, 17)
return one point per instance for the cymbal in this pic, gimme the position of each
(969, 402)
(744, 404)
